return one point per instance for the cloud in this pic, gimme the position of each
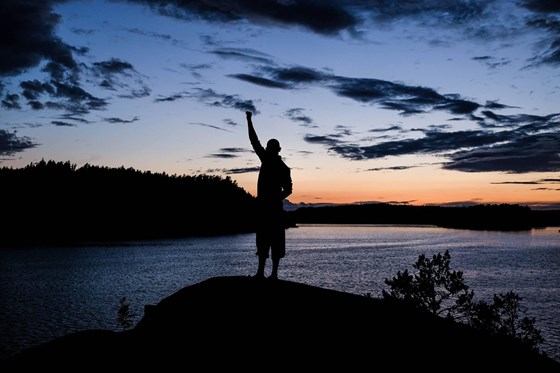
(532, 153)
(332, 140)
(33, 89)
(10, 143)
(323, 140)
(74, 118)
(296, 74)
(120, 120)
(157, 35)
(544, 6)
(227, 153)
(31, 26)
(545, 181)
(11, 101)
(486, 20)
(285, 78)
(323, 17)
(38, 42)
(36, 22)
(296, 115)
(76, 99)
(468, 19)
(234, 150)
(115, 74)
(243, 170)
(264, 82)
(492, 62)
(517, 182)
(387, 129)
(173, 97)
(432, 142)
(209, 126)
(233, 171)
(73, 93)
(62, 124)
(221, 155)
(430, 13)
(243, 54)
(530, 147)
(546, 19)
(393, 168)
(397, 96)
(230, 122)
(406, 99)
(211, 98)
(551, 54)
(82, 31)
(493, 120)
(63, 89)
(32, 42)
(112, 66)
(196, 68)
(330, 17)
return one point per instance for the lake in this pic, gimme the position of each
(50, 292)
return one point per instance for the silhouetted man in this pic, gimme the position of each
(274, 184)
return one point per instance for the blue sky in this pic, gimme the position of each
(407, 102)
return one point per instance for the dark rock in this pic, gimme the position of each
(241, 322)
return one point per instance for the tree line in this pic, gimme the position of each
(58, 202)
(480, 217)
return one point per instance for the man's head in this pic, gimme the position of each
(273, 146)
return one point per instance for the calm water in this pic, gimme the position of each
(49, 292)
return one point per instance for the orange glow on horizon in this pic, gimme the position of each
(417, 197)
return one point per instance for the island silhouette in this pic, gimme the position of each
(220, 323)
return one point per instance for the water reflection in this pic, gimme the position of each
(48, 292)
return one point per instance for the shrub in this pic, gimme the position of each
(503, 317)
(437, 289)
(124, 315)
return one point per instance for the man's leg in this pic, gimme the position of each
(262, 251)
(278, 249)
(260, 270)
(275, 264)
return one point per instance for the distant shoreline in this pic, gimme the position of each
(101, 204)
(480, 217)
(398, 225)
(365, 225)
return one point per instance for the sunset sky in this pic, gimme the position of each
(420, 102)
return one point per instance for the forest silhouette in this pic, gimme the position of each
(56, 202)
(503, 217)
(50, 202)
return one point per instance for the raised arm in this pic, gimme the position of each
(253, 135)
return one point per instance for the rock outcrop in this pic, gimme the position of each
(241, 322)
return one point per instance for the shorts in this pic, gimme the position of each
(271, 240)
